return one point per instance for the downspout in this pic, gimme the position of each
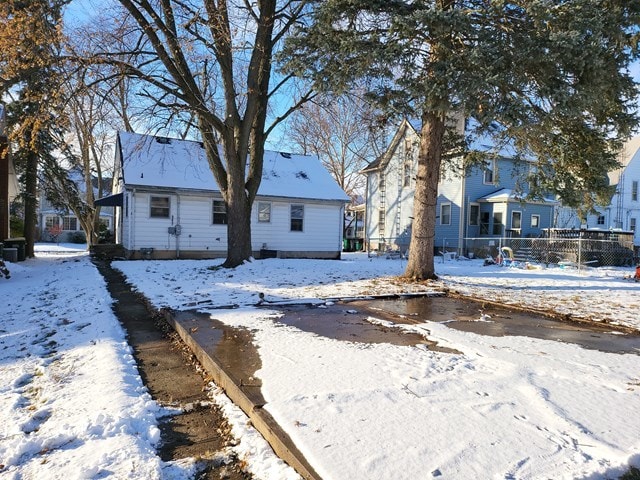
(132, 209)
(364, 217)
(341, 231)
(178, 227)
(462, 223)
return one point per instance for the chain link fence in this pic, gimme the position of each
(547, 251)
(562, 247)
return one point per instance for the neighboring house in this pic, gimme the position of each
(483, 203)
(171, 206)
(63, 222)
(623, 213)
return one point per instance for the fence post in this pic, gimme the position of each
(579, 252)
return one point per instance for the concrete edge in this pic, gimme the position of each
(279, 440)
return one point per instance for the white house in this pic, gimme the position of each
(171, 206)
(623, 213)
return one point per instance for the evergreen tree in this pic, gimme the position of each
(549, 77)
(30, 39)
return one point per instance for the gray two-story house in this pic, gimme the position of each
(483, 202)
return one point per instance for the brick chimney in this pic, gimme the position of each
(4, 176)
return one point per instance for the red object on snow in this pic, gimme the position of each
(637, 276)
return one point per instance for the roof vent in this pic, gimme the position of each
(285, 154)
(163, 140)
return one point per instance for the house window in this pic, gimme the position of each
(632, 224)
(634, 191)
(474, 214)
(160, 207)
(445, 214)
(219, 213)
(381, 181)
(51, 222)
(297, 218)
(489, 177)
(516, 220)
(535, 221)
(407, 174)
(264, 212)
(381, 217)
(484, 223)
(497, 223)
(600, 220)
(408, 157)
(69, 223)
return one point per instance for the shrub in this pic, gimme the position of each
(78, 237)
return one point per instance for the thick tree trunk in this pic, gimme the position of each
(238, 226)
(31, 204)
(420, 265)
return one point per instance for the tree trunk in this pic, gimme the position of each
(238, 225)
(420, 265)
(31, 204)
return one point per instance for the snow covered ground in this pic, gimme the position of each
(73, 406)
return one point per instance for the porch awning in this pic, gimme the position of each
(110, 201)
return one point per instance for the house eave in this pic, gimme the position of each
(203, 192)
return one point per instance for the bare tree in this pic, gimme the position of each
(211, 61)
(341, 131)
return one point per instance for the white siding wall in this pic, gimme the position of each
(150, 232)
(632, 208)
(198, 230)
(322, 227)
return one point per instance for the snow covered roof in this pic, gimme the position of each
(182, 164)
(509, 195)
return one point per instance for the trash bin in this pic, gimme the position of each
(20, 244)
(10, 254)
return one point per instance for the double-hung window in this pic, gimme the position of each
(297, 218)
(445, 214)
(160, 207)
(219, 213)
(264, 212)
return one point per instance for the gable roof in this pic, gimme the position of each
(149, 161)
(630, 150)
(383, 159)
(480, 142)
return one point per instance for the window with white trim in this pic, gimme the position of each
(535, 221)
(489, 177)
(51, 221)
(264, 212)
(632, 224)
(297, 218)
(219, 213)
(600, 220)
(69, 223)
(474, 214)
(159, 207)
(516, 220)
(445, 214)
(634, 191)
